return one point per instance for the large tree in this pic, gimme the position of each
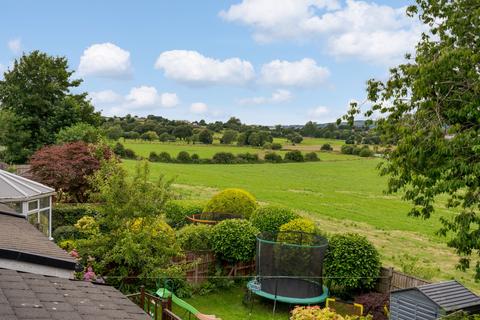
(430, 108)
(36, 102)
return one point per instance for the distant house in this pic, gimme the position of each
(432, 301)
(36, 280)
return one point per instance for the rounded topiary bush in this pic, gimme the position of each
(234, 240)
(195, 237)
(233, 201)
(271, 218)
(352, 263)
(164, 157)
(176, 211)
(298, 231)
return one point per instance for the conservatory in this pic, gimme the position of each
(31, 199)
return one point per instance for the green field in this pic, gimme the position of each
(143, 149)
(342, 196)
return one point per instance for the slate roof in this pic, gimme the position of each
(17, 188)
(30, 296)
(18, 236)
(448, 295)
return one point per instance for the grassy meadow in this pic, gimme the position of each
(341, 193)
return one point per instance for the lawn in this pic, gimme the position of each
(228, 305)
(342, 196)
(143, 149)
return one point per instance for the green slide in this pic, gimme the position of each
(165, 293)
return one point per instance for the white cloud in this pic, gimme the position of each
(275, 19)
(302, 73)
(364, 30)
(105, 60)
(318, 112)
(198, 108)
(169, 100)
(15, 46)
(193, 68)
(105, 97)
(143, 98)
(278, 96)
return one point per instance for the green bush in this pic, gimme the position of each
(234, 201)
(248, 157)
(164, 157)
(68, 215)
(326, 147)
(234, 240)
(176, 211)
(347, 149)
(365, 152)
(267, 145)
(352, 263)
(312, 156)
(223, 157)
(276, 146)
(298, 231)
(184, 157)
(273, 157)
(153, 157)
(130, 154)
(65, 233)
(195, 158)
(316, 313)
(294, 156)
(271, 218)
(119, 150)
(195, 237)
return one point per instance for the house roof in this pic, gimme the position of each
(19, 240)
(448, 295)
(17, 188)
(29, 296)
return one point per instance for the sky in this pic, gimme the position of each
(263, 61)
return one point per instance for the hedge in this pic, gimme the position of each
(67, 214)
(234, 240)
(195, 237)
(176, 211)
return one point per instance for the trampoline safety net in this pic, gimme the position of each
(290, 264)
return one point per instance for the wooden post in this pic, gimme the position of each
(164, 307)
(142, 297)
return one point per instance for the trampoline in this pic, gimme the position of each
(289, 268)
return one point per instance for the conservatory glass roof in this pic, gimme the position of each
(16, 188)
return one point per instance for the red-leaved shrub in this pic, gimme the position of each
(67, 167)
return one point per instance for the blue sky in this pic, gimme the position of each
(264, 61)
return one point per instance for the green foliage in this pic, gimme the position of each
(87, 225)
(119, 149)
(133, 244)
(247, 158)
(65, 233)
(365, 152)
(153, 157)
(326, 147)
(294, 156)
(234, 240)
(68, 214)
(347, 149)
(273, 157)
(205, 136)
(298, 231)
(79, 132)
(176, 211)
(234, 201)
(311, 156)
(429, 109)
(271, 218)
(130, 154)
(352, 263)
(164, 157)
(276, 146)
(149, 136)
(114, 133)
(165, 137)
(195, 237)
(229, 136)
(223, 157)
(184, 157)
(294, 138)
(316, 313)
(36, 103)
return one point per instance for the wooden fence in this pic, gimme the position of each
(391, 279)
(204, 264)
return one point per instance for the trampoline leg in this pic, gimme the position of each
(274, 307)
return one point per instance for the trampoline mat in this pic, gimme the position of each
(289, 287)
